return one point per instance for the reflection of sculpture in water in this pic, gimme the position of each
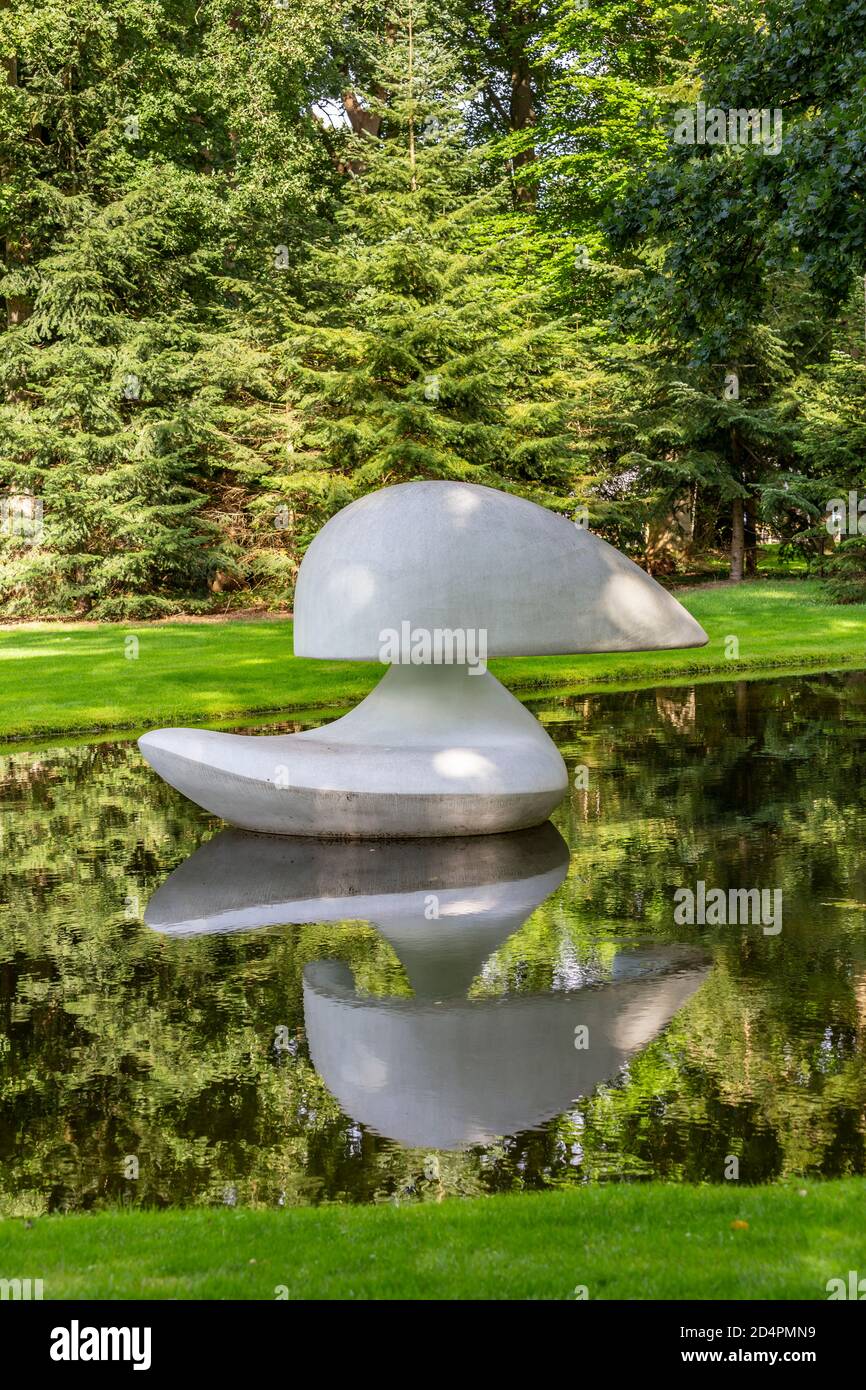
(424, 576)
(438, 1070)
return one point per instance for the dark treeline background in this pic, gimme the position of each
(260, 256)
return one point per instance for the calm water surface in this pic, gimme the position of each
(193, 1015)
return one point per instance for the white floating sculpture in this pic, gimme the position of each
(432, 578)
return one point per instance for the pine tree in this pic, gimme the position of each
(162, 158)
(417, 356)
(831, 399)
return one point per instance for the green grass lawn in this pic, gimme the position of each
(58, 678)
(632, 1241)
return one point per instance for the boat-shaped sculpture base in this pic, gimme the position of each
(433, 750)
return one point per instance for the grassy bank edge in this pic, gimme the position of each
(620, 1241)
(527, 691)
(60, 681)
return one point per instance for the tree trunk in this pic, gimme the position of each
(521, 116)
(738, 544)
(412, 164)
(521, 106)
(738, 530)
(17, 309)
(750, 541)
(362, 122)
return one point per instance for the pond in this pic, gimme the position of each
(191, 1015)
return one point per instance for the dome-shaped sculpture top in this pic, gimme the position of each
(451, 555)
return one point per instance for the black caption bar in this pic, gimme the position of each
(140, 1339)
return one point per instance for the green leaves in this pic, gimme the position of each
(728, 218)
(157, 156)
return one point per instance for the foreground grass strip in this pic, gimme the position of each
(58, 679)
(633, 1241)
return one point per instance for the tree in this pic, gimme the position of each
(497, 43)
(696, 239)
(831, 401)
(165, 160)
(730, 215)
(416, 356)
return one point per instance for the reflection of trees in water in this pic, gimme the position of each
(764, 788)
(120, 1042)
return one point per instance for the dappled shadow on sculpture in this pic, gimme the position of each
(434, 578)
(439, 1069)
